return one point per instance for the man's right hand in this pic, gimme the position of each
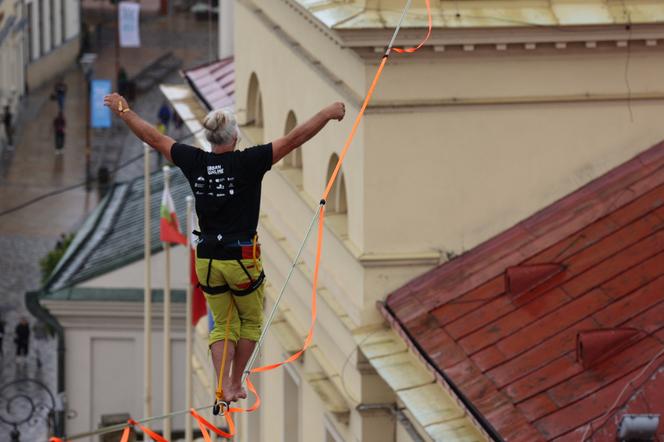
(117, 103)
(336, 111)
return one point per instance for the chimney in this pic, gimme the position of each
(520, 279)
(593, 346)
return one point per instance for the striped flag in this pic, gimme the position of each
(169, 228)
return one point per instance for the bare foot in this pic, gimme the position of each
(228, 396)
(237, 393)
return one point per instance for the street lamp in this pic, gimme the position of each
(87, 61)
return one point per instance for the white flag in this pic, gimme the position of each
(128, 18)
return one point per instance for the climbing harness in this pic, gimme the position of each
(220, 406)
(232, 250)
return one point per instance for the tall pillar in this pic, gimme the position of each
(226, 28)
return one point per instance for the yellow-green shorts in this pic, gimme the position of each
(246, 319)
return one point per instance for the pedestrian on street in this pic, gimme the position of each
(59, 93)
(164, 116)
(7, 122)
(59, 124)
(22, 337)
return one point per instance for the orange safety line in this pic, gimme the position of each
(156, 437)
(204, 424)
(416, 48)
(125, 434)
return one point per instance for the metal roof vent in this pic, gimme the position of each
(638, 427)
(519, 279)
(593, 346)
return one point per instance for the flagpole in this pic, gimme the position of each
(189, 347)
(167, 322)
(147, 294)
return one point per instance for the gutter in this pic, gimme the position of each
(481, 421)
(39, 312)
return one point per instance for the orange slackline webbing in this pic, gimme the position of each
(202, 422)
(416, 48)
(319, 245)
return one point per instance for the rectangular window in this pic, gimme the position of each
(42, 33)
(32, 52)
(63, 21)
(53, 15)
(292, 408)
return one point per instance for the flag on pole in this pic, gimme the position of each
(198, 304)
(129, 24)
(169, 229)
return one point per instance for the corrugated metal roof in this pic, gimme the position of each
(368, 14)
(112, 236)
(214, 83)
(514, 353)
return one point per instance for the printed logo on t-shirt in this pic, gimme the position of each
(216, 169)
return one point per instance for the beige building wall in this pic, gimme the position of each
(459, 143)
(104, 342)
(54, 38)
(12, 50)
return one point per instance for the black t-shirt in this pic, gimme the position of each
(227, 187)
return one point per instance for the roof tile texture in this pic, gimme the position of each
(514, 355)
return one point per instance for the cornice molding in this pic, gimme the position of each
(109, 315)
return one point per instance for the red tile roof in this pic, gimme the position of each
(524, 324)
(214, 83)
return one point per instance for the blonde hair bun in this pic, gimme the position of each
(220, 127)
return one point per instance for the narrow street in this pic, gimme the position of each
(32, 169)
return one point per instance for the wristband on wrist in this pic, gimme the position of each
(121, 109)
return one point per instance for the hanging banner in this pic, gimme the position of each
(100, 115)
(128, 21)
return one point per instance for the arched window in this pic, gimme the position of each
(336, 200)
(294, 159)
(254, 124)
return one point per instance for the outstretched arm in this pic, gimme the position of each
(141, 128)
(305, 131)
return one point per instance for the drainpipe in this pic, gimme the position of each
(39, 312)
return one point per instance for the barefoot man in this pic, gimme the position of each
(227, 186)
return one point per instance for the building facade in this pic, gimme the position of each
(53, 29)
(13, 47)
(503, 112)
(94, 301)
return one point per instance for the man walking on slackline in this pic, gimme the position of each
(227, 186)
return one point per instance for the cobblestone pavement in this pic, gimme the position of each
(32, 169)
